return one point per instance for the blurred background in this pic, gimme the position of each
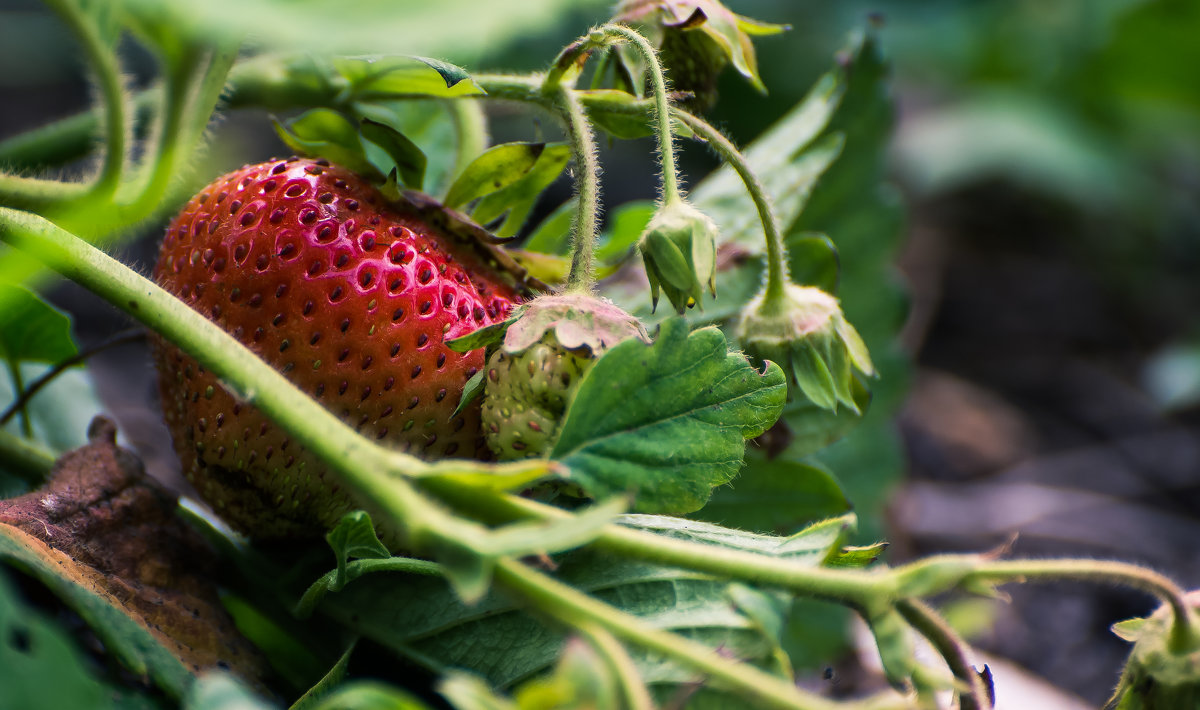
(1048, 155)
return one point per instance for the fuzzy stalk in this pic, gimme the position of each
(777, 260)
(1185, 633)
(662, 108)
(582, 277)
(102, 60)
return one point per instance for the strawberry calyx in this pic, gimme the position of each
(806, 333)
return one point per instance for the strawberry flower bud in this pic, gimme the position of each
(805, 333)
(1156, 675)
(679, 248)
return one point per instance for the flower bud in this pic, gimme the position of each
(806, 334)
(679, 248)
(1156, 675)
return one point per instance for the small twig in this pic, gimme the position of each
(124, 337)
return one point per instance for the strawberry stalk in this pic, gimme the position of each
(777, 261)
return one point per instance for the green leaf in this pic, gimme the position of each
(316, 696)
(625, 226)
(812, 427)
(497, 168)
(325, 133)
(789, 158)
(42, 668)
(814, 261)
(31, 329)
(408, 159)
(486, 336)
(423, 620)
(640, 424)
(775, 496)
(372, 78)
(471, 391)
(553, 235)
(354, 536)
(519, 198)
(61, 411)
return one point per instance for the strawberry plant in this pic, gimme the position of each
(543, 484)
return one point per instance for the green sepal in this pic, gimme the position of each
(409, 160)
(471, 391)
(325, 133)
(496, 168)
(487, 336)
(813, 376)
(354, 536)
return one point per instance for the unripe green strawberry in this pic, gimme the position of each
(542, 355)
(527, 395)
(347, 294)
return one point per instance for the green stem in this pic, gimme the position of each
(582, 277)
(24, 459)
(634, 695)
(951, 647)
(570, 607)
(19, 398)
(1185, 634)
(662, 112)
(858, 588)
(102, 60)
(777, 260)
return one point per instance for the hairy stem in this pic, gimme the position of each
(102, 60)
(662, 107)
(777, 260)
(952, 648)
(569, 606)
(582, 277)
(1185, 634)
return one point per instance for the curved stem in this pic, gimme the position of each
(634, 695)
(102, 60)
(1185, 634)
(952, 648)
(48, 377)
(777, 261)
(662, 112)
(582, 277)
(569, 606)
(19, 405)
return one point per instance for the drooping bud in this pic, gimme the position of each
(679, 248)
(1157, 675)
(698, 38)
(806, 334)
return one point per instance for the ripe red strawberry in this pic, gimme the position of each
(309, 266)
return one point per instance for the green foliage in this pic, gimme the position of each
(31, 330)
(638, 422)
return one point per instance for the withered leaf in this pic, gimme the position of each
(105, 539)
